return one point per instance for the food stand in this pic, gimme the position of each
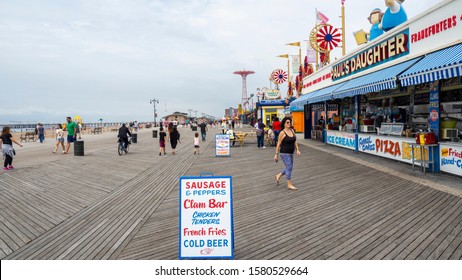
(404, 84)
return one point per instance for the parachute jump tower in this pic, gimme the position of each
(244, 75)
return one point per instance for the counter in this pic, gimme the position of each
(451, 157)
(398, 148)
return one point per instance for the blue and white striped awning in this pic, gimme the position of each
(324, 93)
(375, 81)
(297, 104)
(442, 64)
(319, 95)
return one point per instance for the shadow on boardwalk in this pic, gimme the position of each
(127, 207)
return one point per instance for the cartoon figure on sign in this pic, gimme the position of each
(394, 15)
(375, 18)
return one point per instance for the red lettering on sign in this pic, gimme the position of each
(434, 29)
(217, 204)
(388, 147)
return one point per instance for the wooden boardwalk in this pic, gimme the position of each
(103, 206)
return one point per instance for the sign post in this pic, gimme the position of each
(206, 217)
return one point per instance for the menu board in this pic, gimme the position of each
(222, 147)
(206, 217)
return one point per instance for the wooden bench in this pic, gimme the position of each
(97, 130)
(28, 136)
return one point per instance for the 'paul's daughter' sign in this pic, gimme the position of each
(206, 217)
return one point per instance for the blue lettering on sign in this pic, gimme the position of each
(446, 161)
(194, 243)
(453, 161)
(366, 144)
(217, 243)
(341, 141)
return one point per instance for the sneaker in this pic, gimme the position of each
(10, 167)
(6, 168)
(264, 147)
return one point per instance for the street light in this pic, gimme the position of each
(154, 101)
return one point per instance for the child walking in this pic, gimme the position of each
(162, 136)
(196, 143)
(7, 140)
(59, 139)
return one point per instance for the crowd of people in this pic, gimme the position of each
(279, 134)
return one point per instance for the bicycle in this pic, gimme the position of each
(121, 147)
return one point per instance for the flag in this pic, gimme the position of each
(283, 55)
(311, 54)
(295, 63)
(296, 44)
(321, 18)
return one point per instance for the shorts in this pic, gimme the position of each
(196, 146)
(60, 140)
(70, 139)
(162, 144)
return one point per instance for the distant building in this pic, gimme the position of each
(176, 118)
(231, 112)
(202, 119)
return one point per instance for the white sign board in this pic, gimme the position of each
(206, 217)
(396, 148)
(272, 94)
(341, 139)
(451, 158)
(222, 147)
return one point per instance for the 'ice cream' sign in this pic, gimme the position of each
(206, 217)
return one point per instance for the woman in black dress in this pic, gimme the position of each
(174, 138)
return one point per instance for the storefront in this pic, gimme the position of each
(380, 97)
(268, 110)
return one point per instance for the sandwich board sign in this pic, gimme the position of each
(206, 218)
(222, 147)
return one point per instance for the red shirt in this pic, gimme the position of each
(276, 125)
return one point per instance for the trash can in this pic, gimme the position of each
(134, 138)
(194, 128)
(154, 134)
(79, 148)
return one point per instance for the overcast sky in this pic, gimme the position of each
(107, 58)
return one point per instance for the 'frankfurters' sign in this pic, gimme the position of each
(206, 217)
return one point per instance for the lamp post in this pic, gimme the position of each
(154, 101)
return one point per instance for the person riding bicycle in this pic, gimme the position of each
(123, 132)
